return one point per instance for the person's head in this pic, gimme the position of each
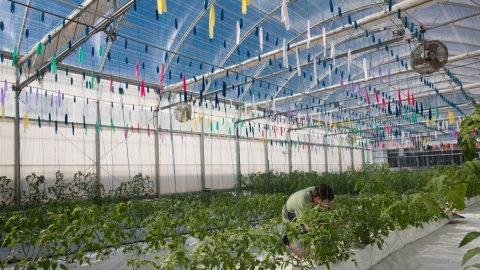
(323, 195)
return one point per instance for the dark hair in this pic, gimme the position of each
(323, 191)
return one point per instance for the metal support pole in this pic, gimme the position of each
(363, 156)
(309, 154)
(351, 159)
(326, 155)
(237, 152)
(202, 153)
(157, 153)
(289, 144)
(16, 146)
(97, 154)
(428, 158)
(267, 167)
(340, 159)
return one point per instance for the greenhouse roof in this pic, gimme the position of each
(116, 35)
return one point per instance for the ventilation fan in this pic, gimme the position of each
(429, 57)
(183, 112)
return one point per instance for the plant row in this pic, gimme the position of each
(65, 223)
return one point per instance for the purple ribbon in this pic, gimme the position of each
(296, 110)
(358, 86)
(36, 98)
(26, 101)
(51, 100)
(59, 99)
(4, 94)
(380, 74)
(353, 87)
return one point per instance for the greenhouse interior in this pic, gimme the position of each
(239, 134)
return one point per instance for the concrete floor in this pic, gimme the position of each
(439, 250)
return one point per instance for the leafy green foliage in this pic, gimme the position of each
(469, 146)
(470, 254)
(469, 238)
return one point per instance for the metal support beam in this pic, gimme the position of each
(16, 146)
(363, 156)
(202, 153)
(342, 31)
(309, 153)
(352, 164)
(98, 167)
(289, 152)
(340, 158)
(157, 153)
(77, 43)
(326, 155)
(267, 163)
(237, 152)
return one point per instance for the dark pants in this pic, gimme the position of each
(293, 218)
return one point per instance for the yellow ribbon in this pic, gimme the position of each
(195, 125)
(3, 112)
(25, 122)
(211, 24)
(208, 122)
(245, 3)
(162, 6)
(335, 124)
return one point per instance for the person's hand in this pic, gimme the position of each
(303, 254)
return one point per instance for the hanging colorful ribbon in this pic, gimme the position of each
(284, 15)
(245, 3)
(211, 20)
(162, 77)
(162, 6)
(260, 38)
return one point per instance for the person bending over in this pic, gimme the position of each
(320, 195)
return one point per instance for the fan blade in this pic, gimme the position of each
(432, 47)
(435, 64)
(418, 61)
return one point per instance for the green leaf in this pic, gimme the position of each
(468, 146)
(63, 267)
(469, 238)
(473, 166)
(477, 265)
(437, 183)
(432, 205)
(457, 195)
(470, 254)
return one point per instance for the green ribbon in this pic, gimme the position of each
(438, 114)
(100, 51)
(92, 80)
(111, 125)
(14, 59)
(54, 63)
(80, 53)
(40, 48)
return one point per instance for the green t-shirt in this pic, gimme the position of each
(297, 201)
